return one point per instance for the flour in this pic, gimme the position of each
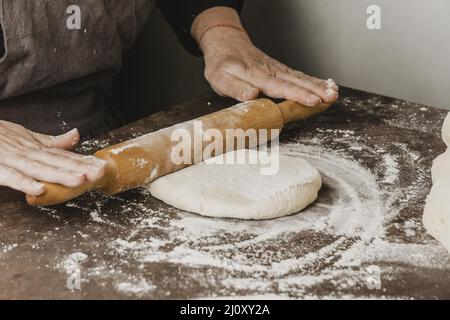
(330, 92)
(243, 107)
(424, 256)
(96, 217)
(331, 83)
(154, 172)
(124, 147)
(140, 163)
(90, 145)
(363, 221)
(5, 248)
(392, 171)
(198, 241)
(138, 288)
(72, 263)
(358, 208)
(256, 256)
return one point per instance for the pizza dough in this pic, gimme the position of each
(436, 216)
(240, 190)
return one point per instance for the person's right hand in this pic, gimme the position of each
(27, 157)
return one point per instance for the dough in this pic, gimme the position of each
(436, 216)
(446, 131)
(240, 190)
(441, 167)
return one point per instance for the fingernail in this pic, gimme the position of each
(330, 92)
(75, 141)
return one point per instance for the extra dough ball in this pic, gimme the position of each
(441, 167)
(239, 190)
(436, 216)
(446, 130)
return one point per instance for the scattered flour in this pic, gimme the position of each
(392, 170)
(139, 163)
(93, 145)
(5, 248)
(72, 263)
(138, 288)
(154, 172)
(330, 83)
(333, 244)
(124, 147)
(96, 217)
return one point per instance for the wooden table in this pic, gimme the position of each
(134, 246)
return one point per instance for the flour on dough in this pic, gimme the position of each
(239, 190)
(436, 216)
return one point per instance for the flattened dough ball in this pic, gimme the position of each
(436, 215)
(240, 190)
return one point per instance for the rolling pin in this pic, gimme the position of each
(139, 161)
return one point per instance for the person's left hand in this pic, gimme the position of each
(236, 68)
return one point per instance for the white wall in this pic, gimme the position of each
(409, 58)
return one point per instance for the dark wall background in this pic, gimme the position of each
(157, 72)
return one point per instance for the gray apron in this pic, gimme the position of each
(53, 79)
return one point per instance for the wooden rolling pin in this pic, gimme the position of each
(142, 160)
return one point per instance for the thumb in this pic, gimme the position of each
(65, 141)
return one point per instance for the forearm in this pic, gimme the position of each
(180, 14)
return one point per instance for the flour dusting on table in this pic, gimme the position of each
(356, 239)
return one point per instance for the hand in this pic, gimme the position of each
(235, 67)
(27, 157)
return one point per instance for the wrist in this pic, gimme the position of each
(216, 24)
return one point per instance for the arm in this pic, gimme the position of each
(235, 67)
(180, 14)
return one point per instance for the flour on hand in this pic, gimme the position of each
(240, 190)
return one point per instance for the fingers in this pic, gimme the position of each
(229, 85)
(326, 90)
(64, 141)
(92, 169)
(27, 157)
(44, 172)
(279, 88)
(16, 180)
(243, 78)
